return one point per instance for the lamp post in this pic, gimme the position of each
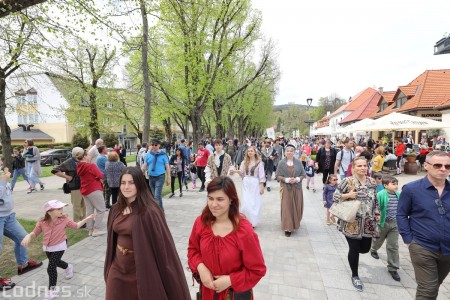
(309, 122)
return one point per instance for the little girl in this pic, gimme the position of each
(328, 191)
(310, 172)
(53, 226)
(193, 171)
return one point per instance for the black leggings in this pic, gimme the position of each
(54, 260)
(355, 247)
(172, 182)
(399, 164)
(201, 175)
(114, 194)
(325, 175)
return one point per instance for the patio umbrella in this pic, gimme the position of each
(402, 122)
(358, 125)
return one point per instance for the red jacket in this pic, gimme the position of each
(90, 177)
(400, 149)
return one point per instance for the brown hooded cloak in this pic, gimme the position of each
(158, 268)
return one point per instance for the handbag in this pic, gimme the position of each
(173, 170)
(66, 188)
(346, 210)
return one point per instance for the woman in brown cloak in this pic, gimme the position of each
(141, 259)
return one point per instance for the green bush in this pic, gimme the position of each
(110, 140)
(79, 140)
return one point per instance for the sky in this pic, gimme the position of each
(342, 47)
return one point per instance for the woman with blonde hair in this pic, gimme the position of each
(378, 160)
(253, 178)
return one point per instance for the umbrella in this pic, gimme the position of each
(358, 125)
(402, 122)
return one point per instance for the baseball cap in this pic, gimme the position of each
(53, 204)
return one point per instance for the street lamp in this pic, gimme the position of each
(309, 122)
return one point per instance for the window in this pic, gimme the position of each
(31, 99)
(109, 105)
(401, 99)
(383, 106)
(124, 128)
(21, 100)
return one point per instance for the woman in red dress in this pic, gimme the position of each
(224, 249)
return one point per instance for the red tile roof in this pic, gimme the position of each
(362, 105)
(432, 88)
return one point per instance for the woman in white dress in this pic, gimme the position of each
(252, 173)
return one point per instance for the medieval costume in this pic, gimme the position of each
(251, 203)
(146, 266)
(237, 254)
(218, 165)
(269, 154)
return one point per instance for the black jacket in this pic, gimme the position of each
(321, 156)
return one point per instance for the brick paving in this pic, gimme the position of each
(311, 264)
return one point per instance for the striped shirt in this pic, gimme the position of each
(391, 209)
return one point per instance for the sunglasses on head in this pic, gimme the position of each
(439, 166)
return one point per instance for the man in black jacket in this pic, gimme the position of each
(18, 167)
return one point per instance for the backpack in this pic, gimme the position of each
(352, 153)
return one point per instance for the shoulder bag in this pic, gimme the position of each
(346, 210)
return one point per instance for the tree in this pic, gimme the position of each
(7, 7)
(18, 34)
(110, 140)
(79, 140)
(87, 66)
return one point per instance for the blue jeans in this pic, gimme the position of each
(11, 228)
(16, 174)
(32, 178)
(156, 185)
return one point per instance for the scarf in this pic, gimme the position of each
(282, 170)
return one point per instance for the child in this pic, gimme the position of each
(378, 178)
(53, 226)
(193, 171)
(328, 191)
(388, 201)
(303, 159)
(310, 172)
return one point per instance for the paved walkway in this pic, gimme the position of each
(311, 264)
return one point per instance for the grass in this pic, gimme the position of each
(46, 171)
(8, 265)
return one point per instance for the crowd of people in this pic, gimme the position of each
(98, 181)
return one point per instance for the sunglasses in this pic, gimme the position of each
(439, 166)
(441, 208)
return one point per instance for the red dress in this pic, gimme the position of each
(238, 254)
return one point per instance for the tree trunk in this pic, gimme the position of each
(196, 121)
(230, 127)
(5, 131)
(93, 123)
(167, 129)
(145, 73)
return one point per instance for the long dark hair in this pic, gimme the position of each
(225, 184)
(143, 196)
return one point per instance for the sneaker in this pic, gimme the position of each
(194, 187)
(268, 189)
(42, 186)
(31, 265)
(374, 254)
(6, 283)
(181, 194)
(31, 190)
(51, 294)
(395, 275)
(201, 189)
(186, 187)
(307, 187)
(314, 190)
(171, 195)
(329, 223)
(68, 272)
(357, 283)
(98, 233)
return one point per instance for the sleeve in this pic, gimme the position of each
(242, 169)
(325, 191)
(208, 169)
(403, 212)
(97, 172)
(38, 228)
(253, 264)
(193, 253)
(338, 155)
(302, 170)
(261, 173)
(340, 189)
(71, 224)
(61, 168)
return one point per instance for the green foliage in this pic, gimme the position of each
(110, 140)
(80, 140)
(157, 134)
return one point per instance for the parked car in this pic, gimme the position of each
(55, 156)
